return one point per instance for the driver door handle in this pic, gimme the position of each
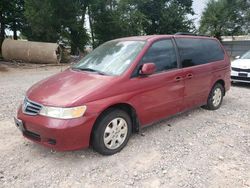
(189, 76)
(178, 78)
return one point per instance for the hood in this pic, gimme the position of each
(68, 88)
(241, 63)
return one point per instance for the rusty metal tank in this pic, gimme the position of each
(32, 52)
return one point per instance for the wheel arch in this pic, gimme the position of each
(122, 106)
(222, 82)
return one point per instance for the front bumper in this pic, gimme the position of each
(57, 134)
(240, 76)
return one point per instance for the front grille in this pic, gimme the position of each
(240, 78)
(240, 70)
(30, 107)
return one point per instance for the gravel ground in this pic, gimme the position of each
(199, 148)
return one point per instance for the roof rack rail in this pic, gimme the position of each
(191, 34)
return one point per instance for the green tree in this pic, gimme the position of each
(43, 25)
(105, 20)
(112, 18)
(131, 18)
(71, 18)
(11, 17)
(57, 21)
(15, 17)
(166, 16)
(4, 7)
(225, 17)
(64, 20)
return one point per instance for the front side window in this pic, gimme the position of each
(199, 51)
(162, 54)
(111, 58)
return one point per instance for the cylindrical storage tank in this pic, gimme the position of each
(32, 52)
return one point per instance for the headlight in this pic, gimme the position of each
(63, 113)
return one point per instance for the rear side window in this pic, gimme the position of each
(199, 51)
(162, 53)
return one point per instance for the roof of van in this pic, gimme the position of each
(153, 37)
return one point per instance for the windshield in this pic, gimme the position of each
(111, 58)
(246, 55)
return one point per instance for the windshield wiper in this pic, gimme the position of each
(89, 70)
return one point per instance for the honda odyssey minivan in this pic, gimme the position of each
(122, 86)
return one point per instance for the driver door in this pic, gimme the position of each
(161, 94)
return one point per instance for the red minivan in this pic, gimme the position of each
(123, 86)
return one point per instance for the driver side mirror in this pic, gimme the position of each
(147, 69)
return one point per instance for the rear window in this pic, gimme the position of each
(199, 51)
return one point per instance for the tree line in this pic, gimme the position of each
(226, 18)
(64, 21)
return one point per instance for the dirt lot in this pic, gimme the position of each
(199, 148)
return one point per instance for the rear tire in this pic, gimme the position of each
(215, 97)
(111, 132)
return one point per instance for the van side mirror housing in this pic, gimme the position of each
(147, 69)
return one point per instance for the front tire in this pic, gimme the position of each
(215, 97)
(111, 132)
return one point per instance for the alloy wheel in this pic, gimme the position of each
(217, 96)
(115, 133)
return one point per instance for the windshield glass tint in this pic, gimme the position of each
(246, 55)
(111, 58)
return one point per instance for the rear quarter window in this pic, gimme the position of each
(199, 51)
